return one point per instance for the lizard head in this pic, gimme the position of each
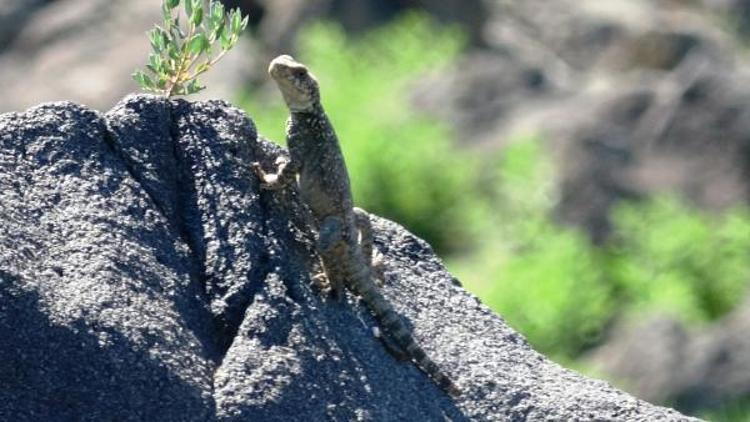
(298, 86)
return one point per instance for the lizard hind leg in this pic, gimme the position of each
(320, 280)
(331, 232)
(366, 242)
(330, 279)
(330, 237)
(362, 220)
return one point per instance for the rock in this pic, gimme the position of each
(144, 276)
(650, 363)
(661, 360)
(720, 365)
(683, 134)
(280, 21)
(632, 98)
(13, 15)
(734, 12)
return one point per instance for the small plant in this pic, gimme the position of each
(180, 54)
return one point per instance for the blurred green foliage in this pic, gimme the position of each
(561, 290)
(736, 411)
(669, 258)
(542, 277)
(403, 165)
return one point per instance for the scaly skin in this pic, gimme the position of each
(344, 234)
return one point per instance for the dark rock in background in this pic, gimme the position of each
(634, 98)
(736, 12)
(661, 360)
(279, 21)
(144, 276)
(85, 51)
(13, 16)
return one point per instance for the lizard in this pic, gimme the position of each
(344, 234)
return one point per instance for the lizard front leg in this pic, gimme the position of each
(286, 172)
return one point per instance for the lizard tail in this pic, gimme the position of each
(395, 329)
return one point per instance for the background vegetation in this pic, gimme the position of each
(547, 280)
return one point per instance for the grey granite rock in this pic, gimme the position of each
(144, 276)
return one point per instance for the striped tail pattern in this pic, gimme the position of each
(362, 284)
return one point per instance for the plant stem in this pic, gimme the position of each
(208, 65)
(180, 66)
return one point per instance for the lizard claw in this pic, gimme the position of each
(258, 170)
(265, 183)
(321, 281)
(276, 180)
(281, 160)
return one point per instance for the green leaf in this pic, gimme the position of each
(216, 21)
(166, 14)
(217, 11)
(194, 87)
(155, 38)
(155, 63)
(197, 17)
(226, 40)
(160, 39)
(172, 3)
(144, 81)
(139, 77)
(173, 50)
(168, 66)
(216, 30)
(236, 18)
(189, 7)
(176, 31)
(154, 59)
(198, 44)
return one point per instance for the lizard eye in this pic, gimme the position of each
(299, 72)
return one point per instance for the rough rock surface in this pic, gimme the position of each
(144, 276)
